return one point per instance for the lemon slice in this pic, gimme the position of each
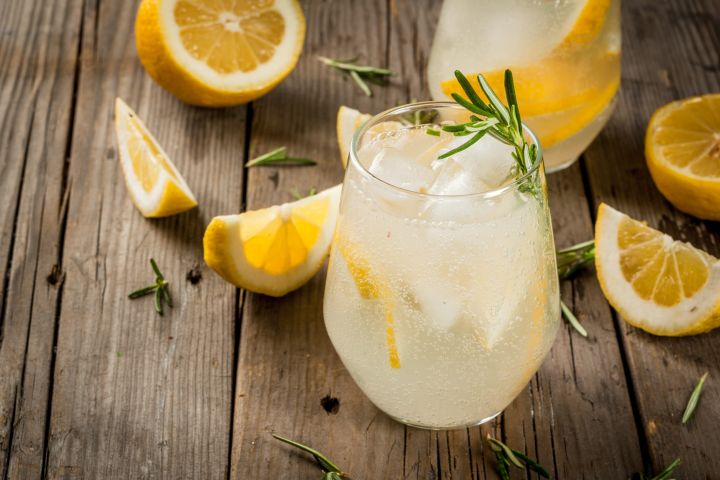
(219, 53)
(274, 250)
(155, 186)
(372, 285)
(682, 146)
(551, 91)
(661, 285)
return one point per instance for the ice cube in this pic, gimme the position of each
(488, 160)
(452, 178)
(397, 168)
(439, 302)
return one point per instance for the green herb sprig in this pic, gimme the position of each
(361, 74)
(694, 399)
(330, 470)
(494, 118)
(160, 289)
(570, 261)
(664, 475)
(506, 456)
(279, 157)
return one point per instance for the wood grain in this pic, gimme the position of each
(670, 52)
(38, 57)
(137, 395)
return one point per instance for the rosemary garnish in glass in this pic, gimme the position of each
(694, 399)
(361, 74)
(494, 118)
(330, 470)
(279, 157)
(506, 456)
(160, 289)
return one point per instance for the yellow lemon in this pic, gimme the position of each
(219, 53)
(349, 120)
(661, 285)
(155, 186)
(682, 147)
(273, 250)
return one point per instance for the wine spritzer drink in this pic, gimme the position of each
(565, 55)
(442, 291)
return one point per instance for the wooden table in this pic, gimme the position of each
(95, 386)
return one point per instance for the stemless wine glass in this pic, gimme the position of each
(565, 57)
(442, 290)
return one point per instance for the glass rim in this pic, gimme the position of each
(410, 107)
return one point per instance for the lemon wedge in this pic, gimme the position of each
(348, 120)
(682, 147)
(155, 186)
(273, 250)
(219, 53)
(658, 284)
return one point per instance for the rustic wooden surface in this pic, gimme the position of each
(94, 386)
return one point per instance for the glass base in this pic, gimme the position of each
(458, 427)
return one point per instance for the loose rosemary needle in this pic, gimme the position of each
(159, 289)
(361, 74)
(330, 470)
(694, 399)
(280, 157)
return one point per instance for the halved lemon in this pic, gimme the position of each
(155, 186)
(554, 98)
(273, 250)
(219, 53)
(658, 284)
(682, 147)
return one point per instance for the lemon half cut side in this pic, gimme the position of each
(219, 53)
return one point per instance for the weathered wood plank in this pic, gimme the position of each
(670, 52)
(38, 56)
(287, 364)
(137, 395)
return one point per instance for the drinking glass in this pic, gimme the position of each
(441, 306)
(564, 54)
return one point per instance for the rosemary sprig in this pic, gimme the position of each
(694, 399)
(298, 196)
(160, 289)
(494, 118)
(361, 74)
(573, 259)
(506, 456)
(572, 319)
(330, 470)
(664, 475)
(279, 156)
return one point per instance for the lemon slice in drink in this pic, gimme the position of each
(658, 284)
(551, 89)
(155, 186)
(273, 250)
(219, 53)
(682, 146)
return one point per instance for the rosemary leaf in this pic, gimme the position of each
(166, 293)
(512, 97)
(507, 451)
(494, 99)
(694, 399)
(433, 132)
(157, 271)
(669, 470)
(158, 301)
(325, 463)
(465, 145)
(532, 464)
(279, 157)
(502, 466)
(570, 317)
(141, 292)
(471, 94)
(363, 86)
